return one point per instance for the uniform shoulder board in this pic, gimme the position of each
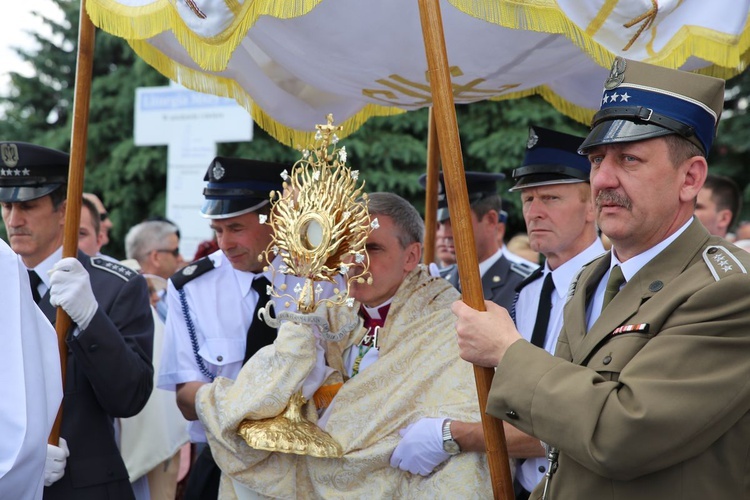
(114, 267)
(191, 271)
(721, 262)
(535, 275)
(524, 270)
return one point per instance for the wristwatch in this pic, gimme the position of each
(450, 446)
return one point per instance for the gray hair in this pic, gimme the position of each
(144, 238)
(408, 221)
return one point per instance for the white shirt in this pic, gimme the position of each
(43, 268)
(629, 269)
(529, 473)
(31, 388)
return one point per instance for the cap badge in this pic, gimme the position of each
(616, 74)
(218, 172)
(533, 139)
(9, 153)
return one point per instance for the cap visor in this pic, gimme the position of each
(615, 131)
(224, 209)
(549, 182)
(18, 194)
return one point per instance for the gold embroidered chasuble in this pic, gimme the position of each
(418, 374)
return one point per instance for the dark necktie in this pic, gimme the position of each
(35, 281)
(259, 334)
(543, 311)
(615, 281)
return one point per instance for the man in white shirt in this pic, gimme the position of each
(559, 215)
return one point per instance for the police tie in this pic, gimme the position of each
(543, 311)
(34, 281)
(259, 334)
(614, 283)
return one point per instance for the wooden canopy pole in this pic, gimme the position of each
(79, 133)
(430, 204)
(458, 204)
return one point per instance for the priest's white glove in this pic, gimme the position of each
(70, 288)
(421, 447)
(54, 466)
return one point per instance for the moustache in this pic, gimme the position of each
(610, 198)
(11, 232)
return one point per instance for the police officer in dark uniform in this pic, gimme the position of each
(500, 275)
(109, 371)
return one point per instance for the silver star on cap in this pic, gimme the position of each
(218, 172)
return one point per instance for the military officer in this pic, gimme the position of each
(648, 395)
(109, 372)
(499, 274)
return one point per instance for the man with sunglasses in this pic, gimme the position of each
(109, 371)
(155, 245)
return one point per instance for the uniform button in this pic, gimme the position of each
(607, 360)
(93, 347)
(655, 286)
(219, 358)
(511, 414)
(542, 468)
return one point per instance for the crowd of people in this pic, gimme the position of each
(617, 332)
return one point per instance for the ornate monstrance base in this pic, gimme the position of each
(290, 433)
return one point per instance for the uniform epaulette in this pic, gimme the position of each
(721, 262)
(191, 271)
(535, 275)
(524, 270)
(113, 267)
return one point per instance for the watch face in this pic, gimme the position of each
(451, 447)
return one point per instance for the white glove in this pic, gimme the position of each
(434, 270)
(421, 447)
(54, 466)
(70, 288)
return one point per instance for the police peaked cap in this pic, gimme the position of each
(28, 171)
(479, 185)
(642, 101)
(551, 158)
(237, 186)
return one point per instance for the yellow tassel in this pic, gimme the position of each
(325, 394)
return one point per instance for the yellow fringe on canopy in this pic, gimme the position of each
(210, 53)
(728, 54)
(226, 87)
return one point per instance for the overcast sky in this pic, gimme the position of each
(17, 21)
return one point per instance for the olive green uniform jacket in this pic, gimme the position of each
(658, 412)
